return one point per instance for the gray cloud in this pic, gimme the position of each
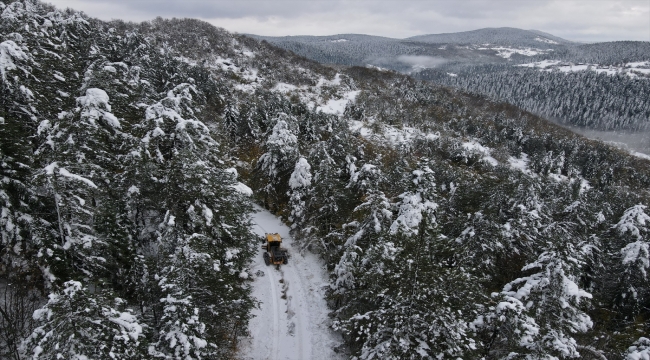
(579, 20)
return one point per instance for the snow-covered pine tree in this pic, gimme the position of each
(16, 161)
(202, 238)
(301, 187)
(77, 323)
(77, 153)
(276, 164)
(372, 221)
(539, 314)
(634, 293)
(429, 318)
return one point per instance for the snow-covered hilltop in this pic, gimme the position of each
(435, 223)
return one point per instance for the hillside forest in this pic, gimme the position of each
(452, 225)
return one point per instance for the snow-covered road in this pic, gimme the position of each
(292, 321)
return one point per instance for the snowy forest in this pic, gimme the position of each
(452, 226)
(583, 98)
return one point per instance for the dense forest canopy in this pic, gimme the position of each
(584, 98)
(452, 226)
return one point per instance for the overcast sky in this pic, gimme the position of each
(577, 20)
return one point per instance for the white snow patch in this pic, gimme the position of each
(490, 160)
(637, 252)
(95, 105)
(390, 134)
(9, 51)
(640, 155)
(301, 176)
(49, 170)
(70, 175)
(644, 64)
(208, 214)
(337, 106)
(475, 147)
(242, 188)
(334, 82)
(520, 164)
(369, 66)
(545, 40)
(247, 88)
(398, 137)
(640, 350)
(542, 64)
(558, 177)
(95, 98)
(284, 87)
(584, 185)
(130, 323)
(506, 52)
(339, 40)
(633, 69)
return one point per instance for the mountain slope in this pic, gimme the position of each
(450, 225)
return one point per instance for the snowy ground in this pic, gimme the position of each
(506, 52)
(292, 321)
(632, 69)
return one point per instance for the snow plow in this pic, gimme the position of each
(274, 254)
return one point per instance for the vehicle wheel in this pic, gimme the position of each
(267, 259)
(286, 260)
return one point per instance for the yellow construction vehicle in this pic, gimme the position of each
(274, 254)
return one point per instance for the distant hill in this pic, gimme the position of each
(496, 36)
(491, 45)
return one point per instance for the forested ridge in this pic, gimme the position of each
(584, 98)
(453, 226)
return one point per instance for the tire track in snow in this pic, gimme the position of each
(300, 309)
(296, 311)
(276, 318)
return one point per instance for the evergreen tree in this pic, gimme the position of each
(300, 184)
(79, 324)
(276, 164)
(538, 314)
